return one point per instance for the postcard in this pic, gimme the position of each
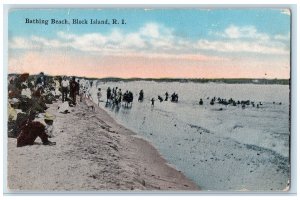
(149, 100)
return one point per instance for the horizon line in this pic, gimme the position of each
(156, 78)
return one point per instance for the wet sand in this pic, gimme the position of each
(92, 153)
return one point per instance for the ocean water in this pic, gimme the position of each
(221, 148)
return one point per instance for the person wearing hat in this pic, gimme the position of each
(33, 129)
(48, 118)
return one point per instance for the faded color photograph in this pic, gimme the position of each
(148, 100)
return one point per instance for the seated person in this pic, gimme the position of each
(33, 129)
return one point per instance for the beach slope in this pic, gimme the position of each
(92, 153)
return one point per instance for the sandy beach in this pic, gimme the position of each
(92, 153)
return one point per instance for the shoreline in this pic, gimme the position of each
(93, 153)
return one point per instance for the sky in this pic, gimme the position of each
(152, 43)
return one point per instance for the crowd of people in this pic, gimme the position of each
(232, 102)
(27, 116)
(70, 89)
(28, 96)
(116, 97)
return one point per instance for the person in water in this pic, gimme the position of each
(167, 96)
(152, 102)
(160, 98)
(119, 97)
(201, 102)
(141, 96)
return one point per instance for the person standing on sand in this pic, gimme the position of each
(33, 129)
(108, 94)
(99, 95)
(77, 87)
(40, 82)
(73, 90)
(81, 93)
(65, 88)
(56, 86)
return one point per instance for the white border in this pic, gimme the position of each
(164, 3)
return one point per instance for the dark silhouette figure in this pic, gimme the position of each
(160, 98)
(167, 96)
(73, 90)
(201, 102)
(141, 96)
(30, 132)
(77, 87)
(174, 97)
(152, 102)
(128, 98)
(40, 82)
(108, 94)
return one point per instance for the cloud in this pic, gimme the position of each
(40, 42)
(244, 32)
(22, 43)
(247, 39)
(236, 51)
(151, 37)
(154, 39)
(133, 40)
(285, 37)
(242, 46)
(150, 30)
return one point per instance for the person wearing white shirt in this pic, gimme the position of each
(65, 88)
